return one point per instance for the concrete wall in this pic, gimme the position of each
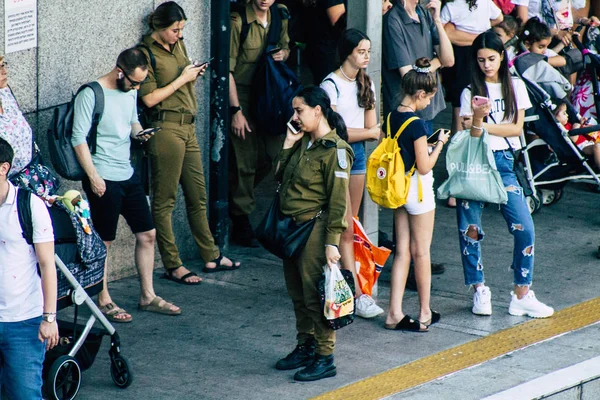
(78, 41)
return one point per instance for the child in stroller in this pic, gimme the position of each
(588, 143)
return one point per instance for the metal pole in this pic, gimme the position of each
(219, 122)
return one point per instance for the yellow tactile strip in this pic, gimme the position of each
(469, 354)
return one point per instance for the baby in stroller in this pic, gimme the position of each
(589, 143)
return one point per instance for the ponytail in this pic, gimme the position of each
(336, 122)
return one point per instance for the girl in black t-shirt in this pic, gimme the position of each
(414, 221)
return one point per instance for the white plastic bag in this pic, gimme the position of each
(339, 299)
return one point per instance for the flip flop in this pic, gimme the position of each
(435, 318)
(219, 267)
(156, 307)
(111, 311)
(407, 324)
(168, 275)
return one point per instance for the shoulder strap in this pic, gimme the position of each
(24, 211)
(150, 55)
(96, 114)
(33, 145)
(403, 127)
(275, 28)
(241, 10)
(337, 91)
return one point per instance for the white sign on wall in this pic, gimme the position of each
(20, 25)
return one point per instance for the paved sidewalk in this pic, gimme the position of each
(237, 324)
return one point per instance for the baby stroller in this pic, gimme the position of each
(80, 258)
(552, 160)
(586, 94)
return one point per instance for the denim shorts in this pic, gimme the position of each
(359, 167)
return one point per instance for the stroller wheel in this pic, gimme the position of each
(120, 372)
(533, 203)
(64, 379)
(547, 196)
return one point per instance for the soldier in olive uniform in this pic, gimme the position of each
(314, 168)
(252, 151)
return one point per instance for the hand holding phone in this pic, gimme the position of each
(293, 127)
(440, 134)
(149, 131)
(200, 64)
(480, 100)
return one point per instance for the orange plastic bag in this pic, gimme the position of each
(369, 258)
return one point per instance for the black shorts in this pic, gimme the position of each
(126, 198)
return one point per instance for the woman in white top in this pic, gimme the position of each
(352, 95)
(505, 111)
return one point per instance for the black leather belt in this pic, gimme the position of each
(173, 116)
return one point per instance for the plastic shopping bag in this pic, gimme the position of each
(369, 258)
(472, 172)
(336, 292)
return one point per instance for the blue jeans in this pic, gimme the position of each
(519, 222)
(21, 359)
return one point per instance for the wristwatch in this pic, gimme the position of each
(49, 317)
(234, 109)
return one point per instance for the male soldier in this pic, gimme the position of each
(27, 298)
(253, 151)
(110, 183)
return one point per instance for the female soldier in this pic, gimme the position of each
(352, 95)
(313, 167)
(169, 94)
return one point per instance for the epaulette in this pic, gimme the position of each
(283, 10)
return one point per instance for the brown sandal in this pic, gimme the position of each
(111, 311)
(155, 306)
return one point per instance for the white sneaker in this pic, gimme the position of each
(366, 307)
(482, 301)
(529, 305)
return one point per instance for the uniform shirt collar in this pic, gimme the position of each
(250, 14)
(329, 139)
(406, 19)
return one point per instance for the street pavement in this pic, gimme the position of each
(236, 325)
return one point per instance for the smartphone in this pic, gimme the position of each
(435, 135)
(273, 51)
(480, 100)
(293, 127)
(198, 64)
(148, 131)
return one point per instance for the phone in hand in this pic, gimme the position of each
(435, 135)
(480, 100)
(293, 127)
(149, 131)
(198, 63)
(274, 50)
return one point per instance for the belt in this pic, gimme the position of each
(174, 116)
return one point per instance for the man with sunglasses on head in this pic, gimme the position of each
(110, 183)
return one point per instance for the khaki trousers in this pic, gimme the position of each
(175, 159)
(301, 278)
(251, 160)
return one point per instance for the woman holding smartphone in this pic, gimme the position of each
(499, 100)
(413, 222)
(352, 95)
(313, 168)
(170, 96)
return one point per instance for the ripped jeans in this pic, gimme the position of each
(518, 220)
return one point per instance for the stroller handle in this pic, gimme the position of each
(575, 39)
(583, 131)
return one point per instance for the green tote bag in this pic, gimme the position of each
(472, 172)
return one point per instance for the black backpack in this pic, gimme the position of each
(24, 211)
(60, 132)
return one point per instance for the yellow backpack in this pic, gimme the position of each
(387, 180)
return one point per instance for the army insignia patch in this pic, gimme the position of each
(342, 160)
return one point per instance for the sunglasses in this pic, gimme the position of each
(133, 83)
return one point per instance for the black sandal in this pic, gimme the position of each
(407, 324)
(219, 267)
(435, 318)
(169, 275)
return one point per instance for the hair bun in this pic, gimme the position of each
(423, 62)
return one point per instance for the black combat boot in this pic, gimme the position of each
(303, 355)
(322, 367)
(242, 233)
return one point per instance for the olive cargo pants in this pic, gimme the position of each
(301, 277)
(251, 160)
(175, 159)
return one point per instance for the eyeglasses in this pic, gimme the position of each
(133, 83)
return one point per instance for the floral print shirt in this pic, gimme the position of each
(15, 130)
